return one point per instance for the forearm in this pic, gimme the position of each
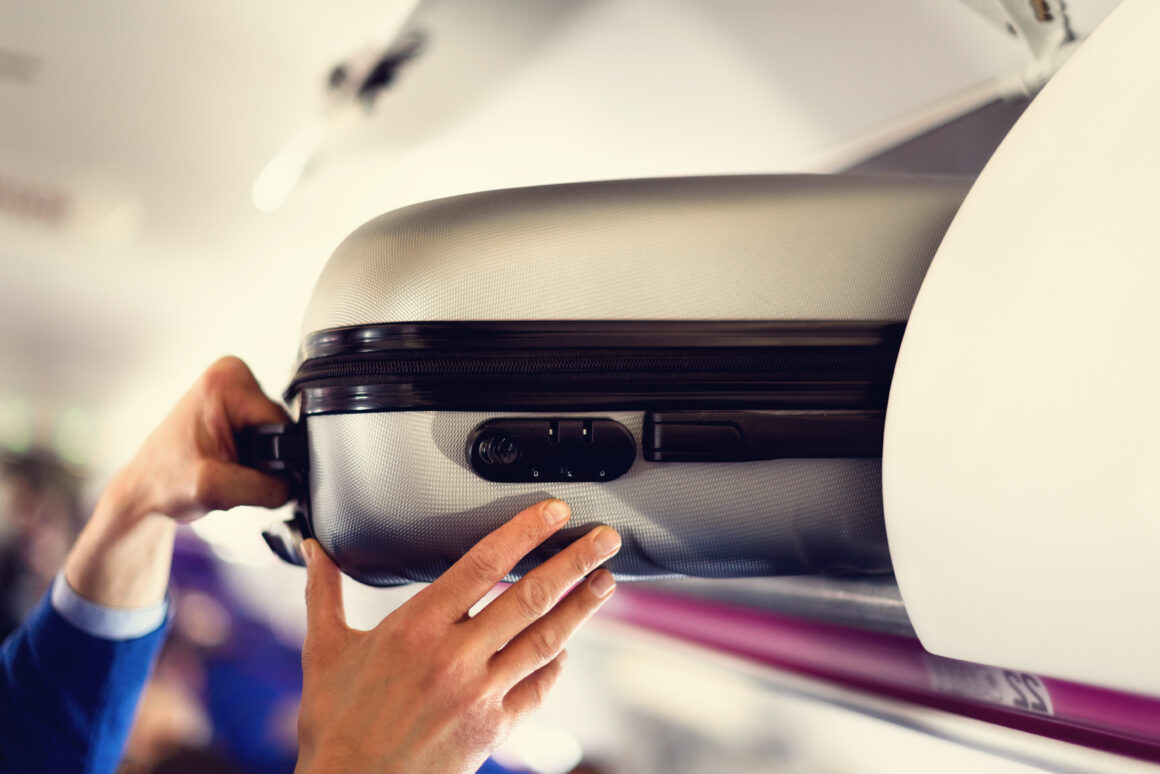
(122, 556)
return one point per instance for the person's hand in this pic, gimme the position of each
(186, 468)
(431, 689)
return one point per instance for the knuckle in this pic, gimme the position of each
(537, 694)
(449, 676)
(540, 692)
(457, 679)
(550, 673)
(481, 697)
(229, 366)
(579, 563)
(545, 642)
(540, 687)
(533, 596)
(223, 372)
(414, 639)
(532, 529)
(486, 564)
(215, 376)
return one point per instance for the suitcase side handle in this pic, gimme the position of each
(273, 448)
(739, 436)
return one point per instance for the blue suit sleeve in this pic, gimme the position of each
(67, 698)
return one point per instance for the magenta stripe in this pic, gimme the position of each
(889, 665)
(1115, 711)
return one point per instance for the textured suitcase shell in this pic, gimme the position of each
(392, 496)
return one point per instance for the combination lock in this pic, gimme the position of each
(543, 450)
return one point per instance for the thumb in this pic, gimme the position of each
(225, 485)
(324, 611)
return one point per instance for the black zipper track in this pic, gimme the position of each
(523, 372)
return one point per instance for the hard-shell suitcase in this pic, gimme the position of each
(701, 363)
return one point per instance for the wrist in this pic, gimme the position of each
(125, 501)
(122, 556)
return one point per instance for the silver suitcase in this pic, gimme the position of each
(701, 363)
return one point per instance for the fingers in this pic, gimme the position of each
(531, 598)
(252, 407)
(324, 612)
(527, 695)
(544, 640)
(241, 395)
(492, 558)
(223, 485)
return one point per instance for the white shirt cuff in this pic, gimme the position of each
(110, 623)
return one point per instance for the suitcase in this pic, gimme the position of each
(701, 363)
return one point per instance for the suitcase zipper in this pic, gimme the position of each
(598, 365)
(815, 378)
(466, 364)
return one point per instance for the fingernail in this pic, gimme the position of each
(601, 584)
(606, 541)
(556, 512)
(307, 552)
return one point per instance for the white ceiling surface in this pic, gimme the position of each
(170, 110)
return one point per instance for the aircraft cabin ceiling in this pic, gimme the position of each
(132, 247)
